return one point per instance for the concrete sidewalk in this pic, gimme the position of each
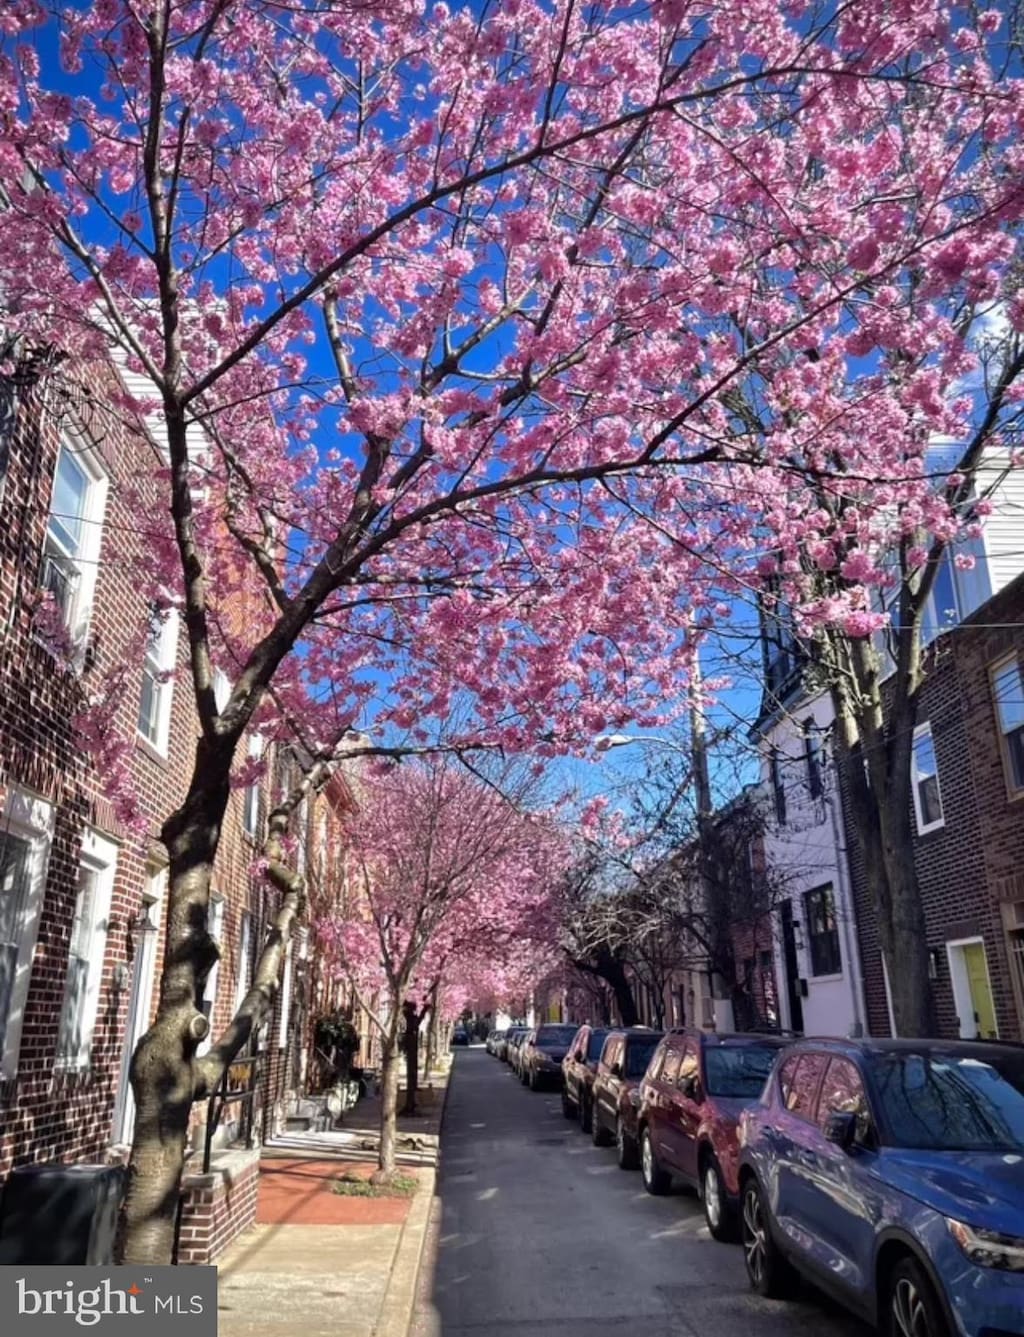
(324, 1264)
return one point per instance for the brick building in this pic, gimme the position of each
(968, 817)
(81, 903)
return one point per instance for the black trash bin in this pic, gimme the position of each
(61, 1215)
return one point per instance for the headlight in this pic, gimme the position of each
(988, 1248)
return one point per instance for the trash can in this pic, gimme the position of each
(61, 1215)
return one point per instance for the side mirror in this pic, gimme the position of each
(690, 1087)
(616, 1070)
(841, 1128)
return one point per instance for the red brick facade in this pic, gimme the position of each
(968, 868)
(73, 1115)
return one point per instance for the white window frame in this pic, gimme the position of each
(215, 928)
(286, 999)
(923, 827)
(244, 958)
(221, 689)
(27, 817)
(85, 559)
(251, 796)
(1014, 790)
(99, 856)
(158, 664)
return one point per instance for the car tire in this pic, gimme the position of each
(911, 1303)
(625, 1147)
(718, 1211)
(768, 1272)
(532, 1080)
(586, 1112)
(568, 1109)
(656, 1181)
(599, 1135)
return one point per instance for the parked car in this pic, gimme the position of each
(460, 1036)
(540, 1058)
(578, 1069)
(494, 1041)
(516, 1036)
(891, 1173)
(615, 1093)
(690, 1103)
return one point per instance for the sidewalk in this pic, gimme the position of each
(323, 1264)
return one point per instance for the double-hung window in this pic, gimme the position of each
(26, 830)
(251, 800)
(1008, 692)
(71, 548)
(822, 932)
(86, 951)
(154, 723)
(927, 795)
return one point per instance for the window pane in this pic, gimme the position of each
(70, 489)
(1009, 693)
(148, 713)
(804, 1084)
(1015, 748)
(944, 604)
(14, 870)
(926, 779)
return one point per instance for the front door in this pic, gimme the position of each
(139, 1007)
(981, 990)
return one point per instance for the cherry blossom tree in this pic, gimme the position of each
(507, 330)
(446, 875)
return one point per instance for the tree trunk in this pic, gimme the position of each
(163, 1073)
(879, 792)
(411, 1046)
(388, 1110)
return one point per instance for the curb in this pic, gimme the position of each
(399, 1305)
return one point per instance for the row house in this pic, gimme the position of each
(81, 902)
(825, 943)
(968, 821)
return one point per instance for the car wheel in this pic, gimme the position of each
(599, 1135)
(655, 1179)
(524, 1076)
(586, 1113)
(625, 1147)
(913, 1308)
(568, 1110)
(769, 1273)
(532, 1081)
(717, 1210)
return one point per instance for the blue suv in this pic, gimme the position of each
(891, 1174)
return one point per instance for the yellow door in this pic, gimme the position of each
(981, 990)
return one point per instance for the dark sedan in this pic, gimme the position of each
(540, 1063)
(624, 1061)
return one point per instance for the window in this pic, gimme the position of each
(286, 999)
(842, 1092)
(71, 548)
(1008, 691)
(244, 955)
(251, 803)
(778, 787)
(799, 1081)
(86, 950)
(670, 1068)
(154, 722)
(689, 1067)
(942, 610)
(822, 932)
(221, 690)
(812, 757)
(26, 829)
(927, 798)
(780, 648)
(215, 925)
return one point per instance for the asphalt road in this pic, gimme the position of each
(540, 1234)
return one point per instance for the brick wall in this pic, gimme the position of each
(959, 864)
(218, 1206)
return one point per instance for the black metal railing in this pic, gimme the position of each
(236, 1087)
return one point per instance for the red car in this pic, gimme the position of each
(690, 1103)
(615, 1093)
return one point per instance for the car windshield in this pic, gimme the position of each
(556, 1037)
(595, 1044)
(739, 1071)
(949, 1102)
(638, 1055)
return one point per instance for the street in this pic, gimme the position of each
(541, 1234)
